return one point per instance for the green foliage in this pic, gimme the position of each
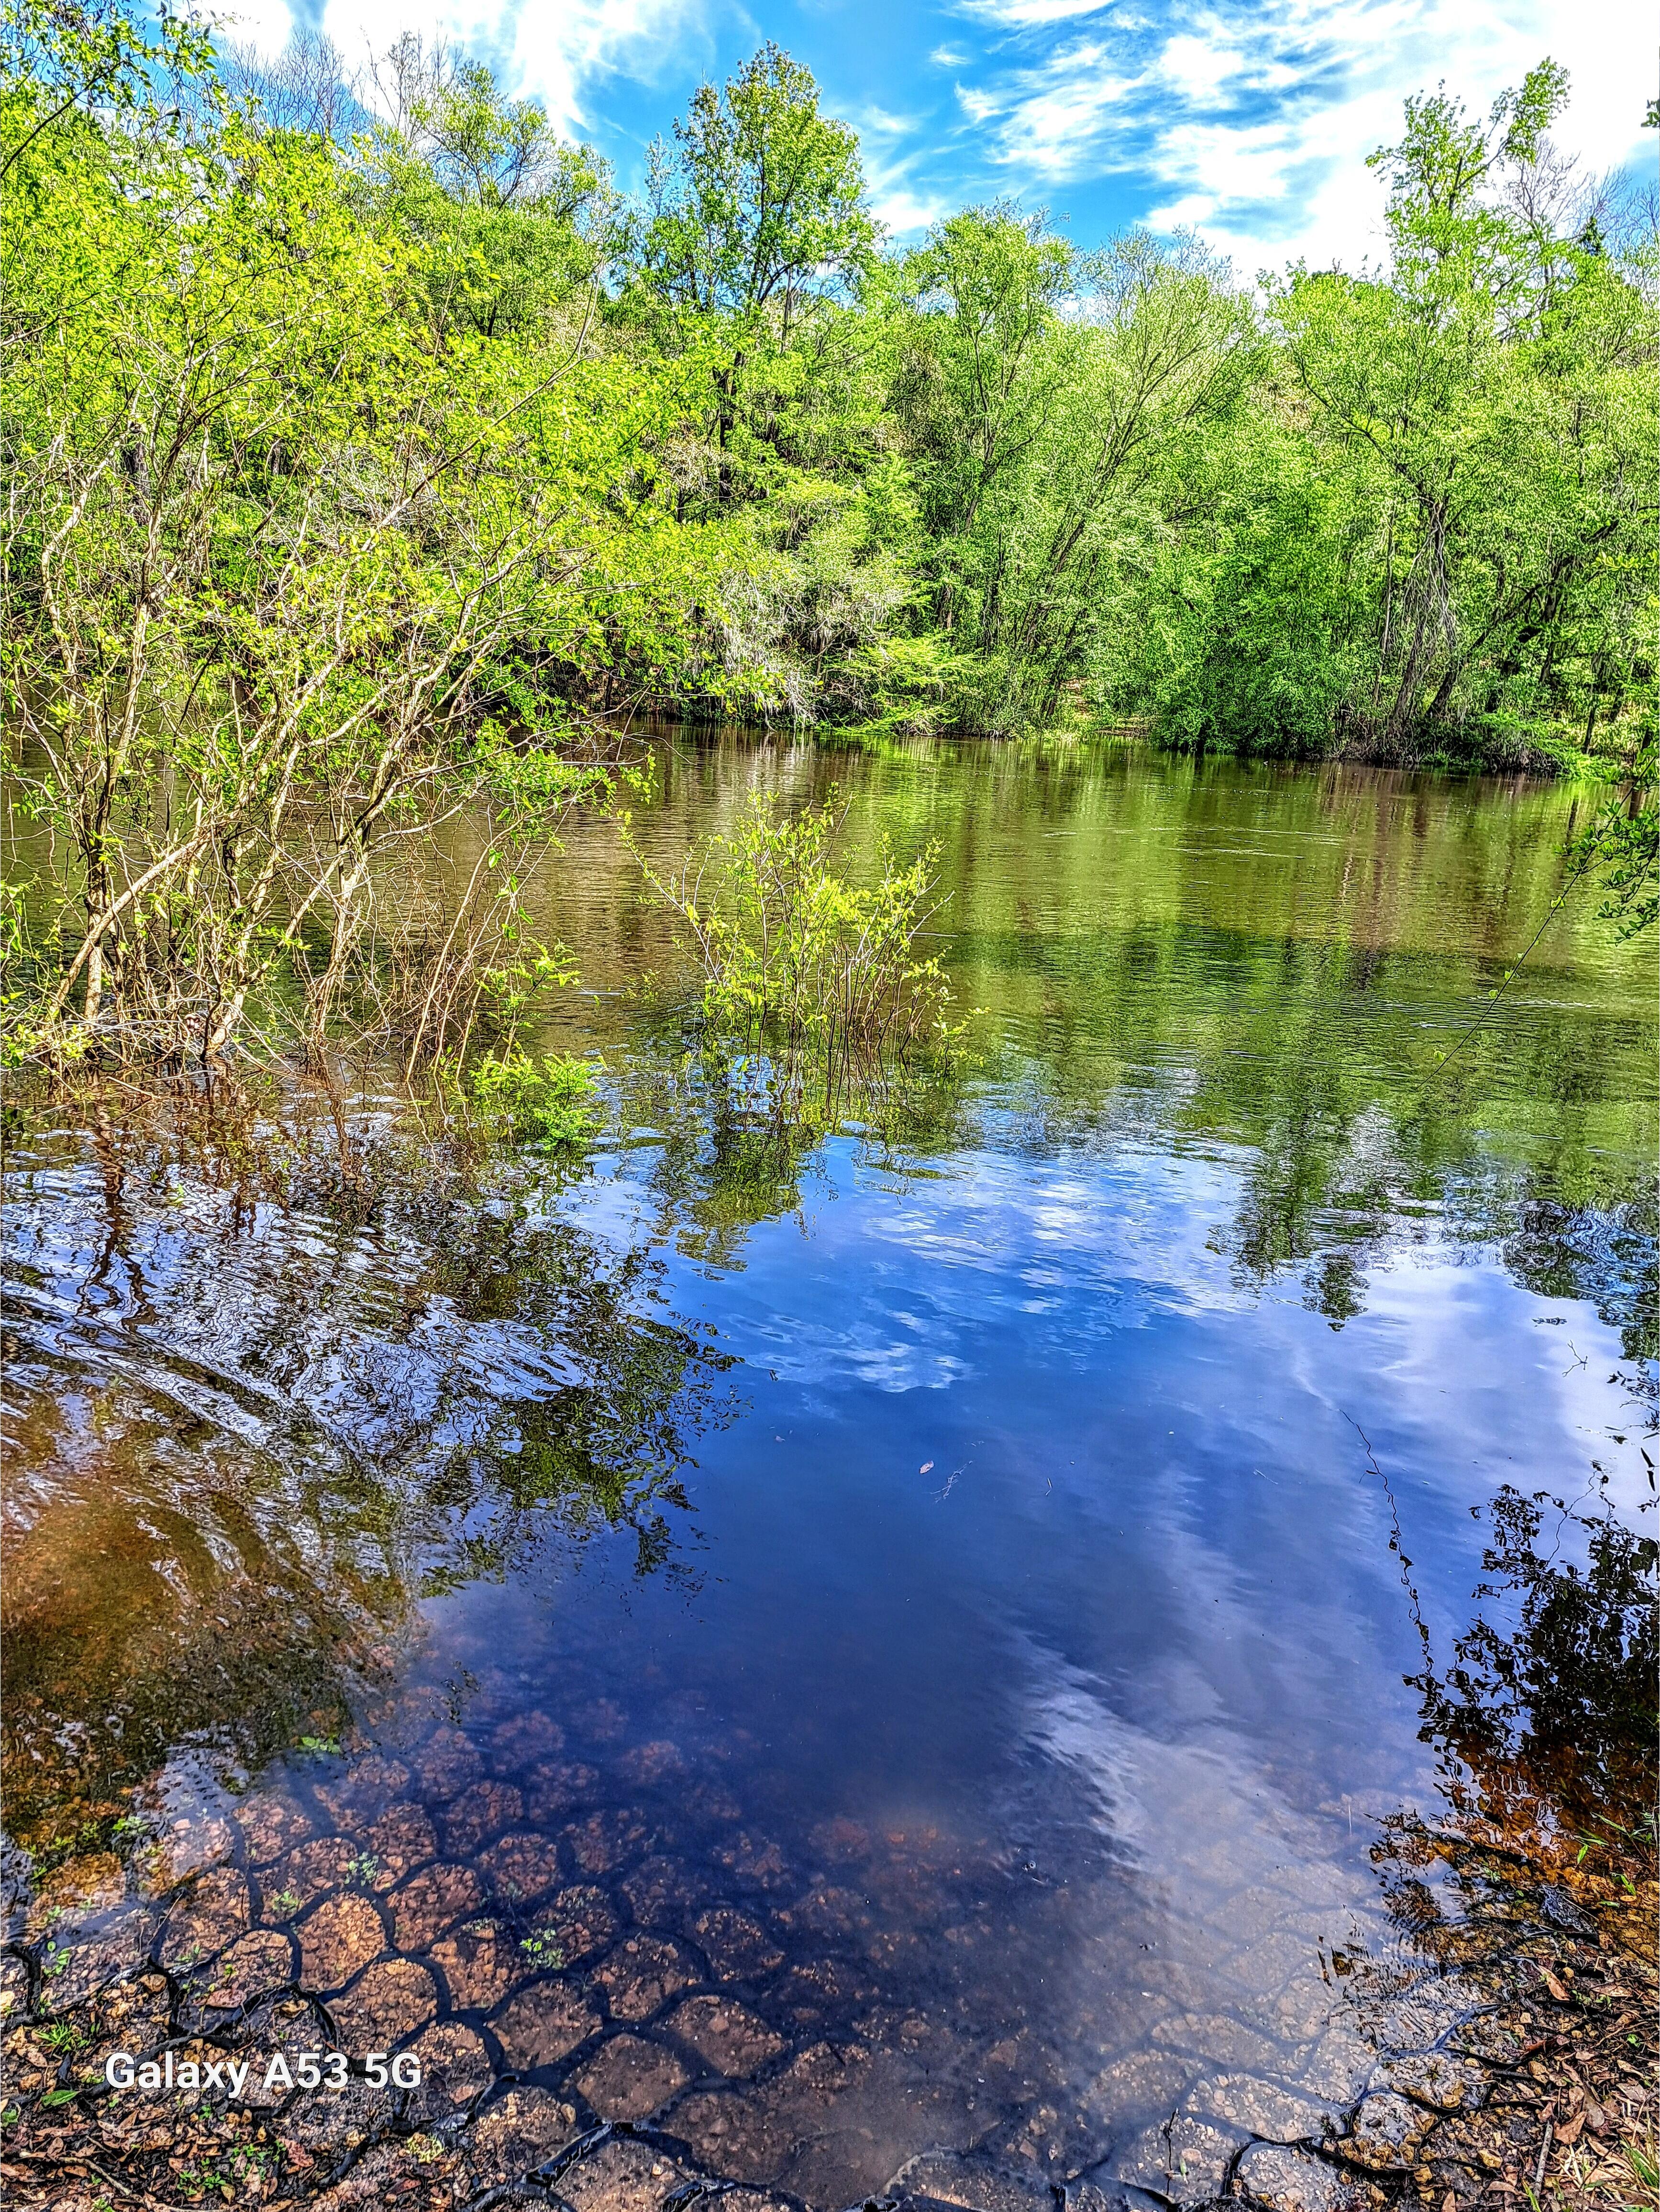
(550, 1100)
(1457, 447)
(1622, 845)
(287, 521)
(798, 958)
(57, 60)
(1257, 619)
(366, 456)
(1435, 173)
(760, 198)
(1047, 394)
(512, 222)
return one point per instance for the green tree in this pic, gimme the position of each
(1048, 396)
(1622, 844)
(58, 60)
(515, 221)
(277, 549)
(979, 370)
(1462, 438)
(760, 200)
(756, 214)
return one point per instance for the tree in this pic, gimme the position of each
(275, 549)
(1046, 393)
(759, 203)
(1453, 552)
(516, 221)
(981, 366)
(60, 59)
(1491, 389)
(303, 88)
(1623, 844)
(755, 214)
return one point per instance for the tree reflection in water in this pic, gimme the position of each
(1544, 1726)
(247, 1439)
(1550, 1724)
(1517, 1989)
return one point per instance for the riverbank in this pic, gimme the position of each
(1552, 756)
(1609, 755)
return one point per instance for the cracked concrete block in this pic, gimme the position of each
(629, 2079)
(724, 2035)
(1284, 2180)
(976, 2183)
(544, 2023)
(1260, 2107)
(1184, 2160)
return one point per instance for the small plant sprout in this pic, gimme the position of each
(548, 1101)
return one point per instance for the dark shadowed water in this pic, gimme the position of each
(894, 1645)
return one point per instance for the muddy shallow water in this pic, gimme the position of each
(894, 1645)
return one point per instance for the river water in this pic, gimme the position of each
(886, 1646)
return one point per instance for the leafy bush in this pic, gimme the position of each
(550, 1100)
(794, 956)
(1623, 842)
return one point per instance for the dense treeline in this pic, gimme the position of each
(356, 432)
(725, 447)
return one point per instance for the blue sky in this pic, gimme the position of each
(1249, 123)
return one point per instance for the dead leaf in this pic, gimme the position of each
(1553, 1985)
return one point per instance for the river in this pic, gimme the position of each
(884, 1645)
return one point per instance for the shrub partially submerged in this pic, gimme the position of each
(550, 1099)
(801, 960)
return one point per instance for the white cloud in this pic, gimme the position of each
(265, 25)
(896, 199)
(1021, 15)
(1252, 123)
(878, 123)
(905, 213)
(559, 52)
(1059, 115)
(1196, 69)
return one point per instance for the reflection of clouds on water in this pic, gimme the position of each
(896, 1290)
(1129, 1231)
(1137, 1449)
(1188, 1807)
(1485, 1364)
(1234, 1893)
